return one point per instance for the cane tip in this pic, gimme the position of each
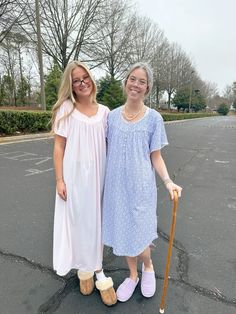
(162, 311)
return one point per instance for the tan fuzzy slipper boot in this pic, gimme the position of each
(107, 291)
(86, 282)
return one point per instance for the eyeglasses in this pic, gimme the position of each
(134, 79)
(78, 82)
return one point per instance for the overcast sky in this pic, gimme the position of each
(205, 29)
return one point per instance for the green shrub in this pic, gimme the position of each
(183, 116)
(23, 121)
(12, 121)
(223, 109)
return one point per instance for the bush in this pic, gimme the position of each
(223, 109)
(183, 116)
(12, 121)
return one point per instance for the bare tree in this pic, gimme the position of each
(171, 70)
(145, 36)
(210, 91)
(13, 59)
(111, 46)
(158, 61)
(109, 35)
(217, 100)
(179, 71)
(227, 92)
(11, 16)
(234, 90)
(65, 26)
(9, 63)
(186, 73)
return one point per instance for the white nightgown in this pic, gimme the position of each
(77, 242)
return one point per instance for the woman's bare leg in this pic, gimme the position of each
(132, 264)
(145, 256)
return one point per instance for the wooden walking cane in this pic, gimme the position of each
(171, 240)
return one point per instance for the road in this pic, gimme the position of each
(201, 157)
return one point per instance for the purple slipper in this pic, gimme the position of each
(126, 289)
(148, 283)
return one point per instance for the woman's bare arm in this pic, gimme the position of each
(161, 169)
(58, 154)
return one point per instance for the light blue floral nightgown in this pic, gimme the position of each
(130, 194)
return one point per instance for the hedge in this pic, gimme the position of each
(183, 116)
(12, 121)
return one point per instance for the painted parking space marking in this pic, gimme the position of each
(32, 172)
(37, 160)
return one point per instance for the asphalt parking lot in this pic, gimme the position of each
(201, 157)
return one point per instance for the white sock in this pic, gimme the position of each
(100, 275)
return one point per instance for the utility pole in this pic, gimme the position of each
(40, 56)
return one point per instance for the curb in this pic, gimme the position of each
(24, 138)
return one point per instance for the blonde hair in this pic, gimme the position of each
(66, 92)
(144, 66)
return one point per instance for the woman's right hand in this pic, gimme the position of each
(61, 189)
(171, 187)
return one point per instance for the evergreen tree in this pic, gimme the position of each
(23, 91)
(234, 104)
(182, 98)
(234, 94)
(52, 83)
(7, 87)
(110, 92)
(198, 102)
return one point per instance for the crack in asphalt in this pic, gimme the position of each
(54, 302)
(183, 258)
(31, 263)
(182, 271)
(71, 283)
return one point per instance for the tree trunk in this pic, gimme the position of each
(169, 99)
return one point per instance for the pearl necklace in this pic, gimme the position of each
(131, 117)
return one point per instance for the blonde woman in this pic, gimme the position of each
(79, 126)
(136, 135)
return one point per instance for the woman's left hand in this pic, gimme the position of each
(171, 187)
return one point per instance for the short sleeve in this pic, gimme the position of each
(158, 137)
(61, 125)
